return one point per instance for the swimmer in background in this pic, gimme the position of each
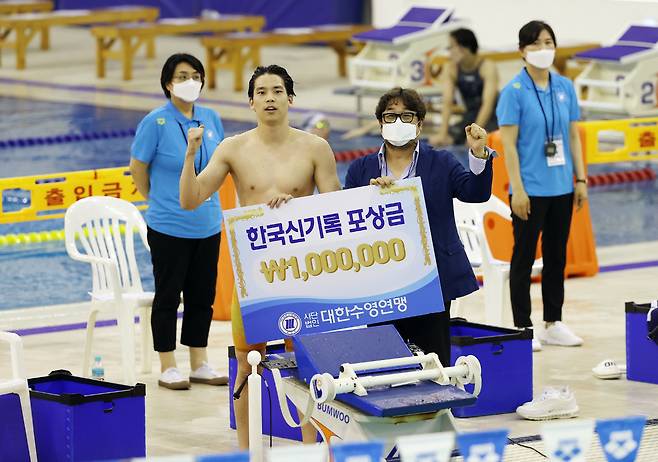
(318, 124)
(476, 80)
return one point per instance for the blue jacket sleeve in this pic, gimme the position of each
(466, 185)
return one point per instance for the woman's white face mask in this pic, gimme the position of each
(187, 91)
(542, 59)
(399, 133)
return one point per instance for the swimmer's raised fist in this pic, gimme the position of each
(194, 137)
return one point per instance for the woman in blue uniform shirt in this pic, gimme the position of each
(184, 243)
(537, 114)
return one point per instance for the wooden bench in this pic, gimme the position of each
(25, 26)
(130, 37)
(24, 6)
(235, 51)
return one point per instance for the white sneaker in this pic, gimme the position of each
(559, 334)
(208, 375)
(554, 403)
(536, 345)
(172, 379)
(607, 369)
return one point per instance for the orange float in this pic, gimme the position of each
(581, 247)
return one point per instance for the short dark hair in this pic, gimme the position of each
(170, 67)
(529, 33)
(465, 38)
(409, 98)
(271, 69)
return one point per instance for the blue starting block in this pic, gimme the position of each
(365, 384)
(621, 77)
(416, 21)
(398, 55)
(319, 353)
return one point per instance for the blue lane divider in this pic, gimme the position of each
(68, 138)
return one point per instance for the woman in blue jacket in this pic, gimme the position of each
(537, 113)
(184, 243)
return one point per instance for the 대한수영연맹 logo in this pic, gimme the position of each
(290, 323)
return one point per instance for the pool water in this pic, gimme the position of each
(43, 274)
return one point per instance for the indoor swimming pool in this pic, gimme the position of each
(39, 274)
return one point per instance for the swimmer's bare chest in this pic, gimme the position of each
(260, 174)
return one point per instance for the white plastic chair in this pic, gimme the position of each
(96, 222)
(469, 219)
(18, 384)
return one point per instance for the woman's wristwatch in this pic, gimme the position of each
(581, 180)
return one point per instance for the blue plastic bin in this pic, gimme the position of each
(506, 359)
(78, 419)
(641, 351)
(13, 442)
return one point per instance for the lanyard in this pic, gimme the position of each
(549, 136)
(198, 124)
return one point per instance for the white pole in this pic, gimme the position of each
(255, 409)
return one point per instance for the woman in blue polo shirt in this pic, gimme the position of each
(184, 243)
(537, 113)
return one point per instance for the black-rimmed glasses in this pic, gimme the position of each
(391, 117)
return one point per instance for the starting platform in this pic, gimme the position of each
(621, 78)
(365, 384)
(400, 55)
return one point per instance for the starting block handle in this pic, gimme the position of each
(372, 381)
(393, 362)
(324, 387)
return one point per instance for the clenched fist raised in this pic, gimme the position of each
(476, 139)
(194, 138)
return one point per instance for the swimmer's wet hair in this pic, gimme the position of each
(529, 33)
(411, 100)
(465, 38)
(170, 67)
(271, 69)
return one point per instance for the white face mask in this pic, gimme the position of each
(399, 133)
(188, 90)
(541, 58)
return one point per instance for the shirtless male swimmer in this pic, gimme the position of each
(271, 164)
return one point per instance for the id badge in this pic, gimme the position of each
(556, 159)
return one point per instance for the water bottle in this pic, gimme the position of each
(97, 371)
(210, 14)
